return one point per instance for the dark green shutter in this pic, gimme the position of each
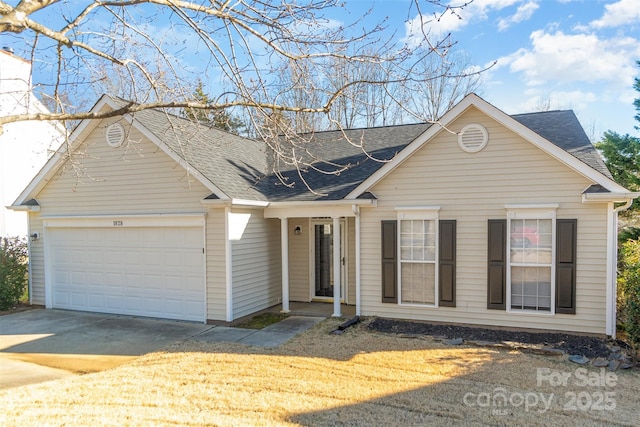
(497, 265)
(389, 262)
(566, 245)
(447, 264)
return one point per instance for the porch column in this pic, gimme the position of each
(284, 248)
(336, 267)
(356, 210)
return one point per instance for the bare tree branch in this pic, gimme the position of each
(289, 68)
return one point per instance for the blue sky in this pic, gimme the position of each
(575, 54)
(572, 54)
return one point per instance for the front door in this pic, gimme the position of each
(323, 268)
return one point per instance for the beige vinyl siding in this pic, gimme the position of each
(256, 265)
(137, 178)
(216, 265)
(36, 260)
(472, 188)
(299, 258)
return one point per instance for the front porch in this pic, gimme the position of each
(316, 309)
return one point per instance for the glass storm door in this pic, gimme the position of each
(323, 260)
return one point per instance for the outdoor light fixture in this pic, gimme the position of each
(298, 230)
(35, 236)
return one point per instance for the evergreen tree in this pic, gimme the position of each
(218, 119)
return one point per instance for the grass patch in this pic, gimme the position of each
(360, 378)
(262, 320)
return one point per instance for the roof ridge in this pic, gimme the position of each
(542, 112)
(176, 116)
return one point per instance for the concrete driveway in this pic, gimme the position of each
(40, 345)
(63, 343)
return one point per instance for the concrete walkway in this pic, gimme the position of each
(269, 337)
(39, 345)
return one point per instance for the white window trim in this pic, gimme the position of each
(532, 212)
(427, 213)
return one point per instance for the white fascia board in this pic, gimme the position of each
(23, 208)
(349, 202)
(250, 203)
(505, 120)
(609, 197)
(333, 208)
(234, 202)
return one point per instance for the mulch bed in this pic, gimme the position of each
(589, 346)
(17, 309)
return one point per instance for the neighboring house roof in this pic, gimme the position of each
(234, 167)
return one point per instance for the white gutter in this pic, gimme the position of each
(24, 208)
(264, 204)
(610, 197)
(339, 202)
(233, 202)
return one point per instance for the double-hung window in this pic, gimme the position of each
(531, 257)
(418, 237)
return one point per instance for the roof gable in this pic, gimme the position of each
(573, 152)
(228, 165)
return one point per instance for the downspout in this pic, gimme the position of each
(612, 265)
(29, 266)
(356, 211)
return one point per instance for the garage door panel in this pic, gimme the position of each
(61, 298)
(78, 300)
(95, 301)
(155, 272)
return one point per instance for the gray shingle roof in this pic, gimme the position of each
(230, 162)
(563, 129)
(342, 149)
(238, 166)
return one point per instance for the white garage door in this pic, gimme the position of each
(145, 271)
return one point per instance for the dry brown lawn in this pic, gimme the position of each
(359, 378)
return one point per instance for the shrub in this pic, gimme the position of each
(14, 270)
(629, 292)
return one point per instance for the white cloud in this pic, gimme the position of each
(577, 100)
(524, 13)
(565, 58)
(617, 14)
(439, 24)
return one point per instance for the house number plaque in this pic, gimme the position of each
(118, 223)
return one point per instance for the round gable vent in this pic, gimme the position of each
(114, 135)
(473, 138)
